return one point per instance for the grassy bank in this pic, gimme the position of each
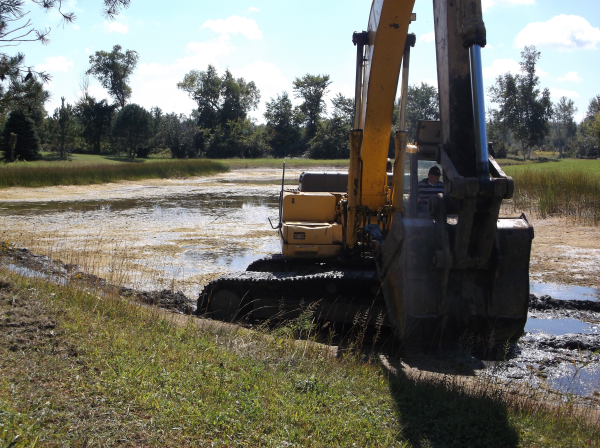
(40, 175)
(85, 169)
(566, 188)
(81, 370)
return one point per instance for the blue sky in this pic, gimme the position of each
(272, 42)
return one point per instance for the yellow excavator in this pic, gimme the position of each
(361, 244)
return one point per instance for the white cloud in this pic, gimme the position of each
(563, 32)
(115, 27)
(156, 85)
(76, 27)
(268, 78)
(486, 4)
(427, 37)
(431, 82)
(559, 93)
(500, 67)
(87, 50)
(235, 25)
(253, 9)
(571, 76)
(55, 64)
(99, 93)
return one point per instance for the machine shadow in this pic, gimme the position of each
(435, 410)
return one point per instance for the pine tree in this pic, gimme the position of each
(28, 143)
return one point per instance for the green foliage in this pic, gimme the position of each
(181, 135)
(421, 104)
(587, 141)
(219, 99)
(64, 129)
(283, 127)
(238, 139)
(132, 128)
(96, 119)
(332, 140)
(311, 89)
(523, 108)
(28, 143)
(113, 70)
(563, 123)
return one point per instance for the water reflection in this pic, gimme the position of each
(564, 292)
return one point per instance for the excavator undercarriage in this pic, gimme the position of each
(366, 243)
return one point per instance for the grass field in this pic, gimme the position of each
(544, 187)
(82, 369)
(94, 170)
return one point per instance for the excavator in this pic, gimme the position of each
(359, 247)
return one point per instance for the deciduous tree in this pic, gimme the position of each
(96, 119)
(283, 126)
(563, 120)
(311, 89)
(113, 70)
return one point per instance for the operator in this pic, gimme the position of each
(430, 187)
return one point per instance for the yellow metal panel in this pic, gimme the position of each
(310, 251)
(388, 26)
(309, 207)
(310, 234)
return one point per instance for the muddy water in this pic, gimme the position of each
(182, 233)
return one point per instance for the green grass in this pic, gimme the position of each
(565, 188)
(38, 174)
(85, 169)
(99, 371)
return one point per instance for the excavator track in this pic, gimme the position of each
(343, 296)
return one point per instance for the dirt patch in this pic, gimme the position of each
(565, 252)
(24, 321)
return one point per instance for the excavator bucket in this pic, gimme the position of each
(431, 304)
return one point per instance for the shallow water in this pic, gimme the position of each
(559, 327)
(564, 292)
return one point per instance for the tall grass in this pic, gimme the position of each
(41, 176)
(561, 193)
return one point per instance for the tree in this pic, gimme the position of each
(311, 89)
(180, 134)
(564, 123)
(421, 104)
(96, 119)
(523, 107)
(28, 142)
(205, 89)
(239, 138)
(20, 83)
(113, 70)
(283, 126)
(587, 141)
(219, 99)
(64, 128)
(504, 93)
(132, 128)
(332, 140)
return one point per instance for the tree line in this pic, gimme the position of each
(220, 125)
(526, 119)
